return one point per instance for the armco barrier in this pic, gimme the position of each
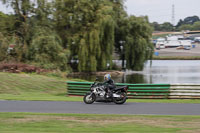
(184, 91)
(136, 91)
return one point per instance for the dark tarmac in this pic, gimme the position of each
(100, 108)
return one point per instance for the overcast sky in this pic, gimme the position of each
(157, 10)
(161, 10)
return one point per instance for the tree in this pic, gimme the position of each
(191, 20)
(156, 26)
(22, 10)
(45, 32)
(196, 26)
(185, 27)
(3, 47)
(167, 26)
(46, 50)
(87, 28)
(6, 24)
(180, 23)
(138, 45)
(187, 21)
(35, 38)
(120, 17)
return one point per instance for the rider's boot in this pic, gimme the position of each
(109, 94)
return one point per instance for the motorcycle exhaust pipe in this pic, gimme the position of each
(115, 95)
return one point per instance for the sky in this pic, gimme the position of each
(161, 10)
(3, 8)
(157, 10)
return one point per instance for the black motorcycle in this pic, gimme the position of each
(98, 93)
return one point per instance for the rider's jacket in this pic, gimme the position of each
(109, 84)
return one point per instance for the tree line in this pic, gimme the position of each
(53, 34)
(189, 23)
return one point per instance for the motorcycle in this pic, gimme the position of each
(98, 93)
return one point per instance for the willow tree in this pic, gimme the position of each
(99, 37)
(87, 28)
(120, 17)
(138, 46)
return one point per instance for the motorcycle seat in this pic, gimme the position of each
(119, 88)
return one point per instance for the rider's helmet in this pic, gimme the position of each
(107, 77)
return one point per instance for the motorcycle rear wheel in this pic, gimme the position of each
(120, 100)
(89, 98)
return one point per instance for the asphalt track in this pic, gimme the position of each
(100, 108)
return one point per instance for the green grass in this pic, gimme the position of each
(161, 35)
(86, 123)
(34, 87)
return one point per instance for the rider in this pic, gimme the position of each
(109, 83)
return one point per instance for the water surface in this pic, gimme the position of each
(159, 71)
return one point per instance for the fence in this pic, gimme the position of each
(184, 91)
(139, 91)
(145, 91)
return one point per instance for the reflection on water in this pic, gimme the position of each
(172, 71)
(160, 71)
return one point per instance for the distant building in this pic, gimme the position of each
(192, 34)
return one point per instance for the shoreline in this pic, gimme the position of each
(176, 58)
(98, 73)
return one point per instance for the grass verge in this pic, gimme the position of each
(176, 57)
(34, 87)
(81, 123)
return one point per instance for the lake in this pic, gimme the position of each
(158, 72)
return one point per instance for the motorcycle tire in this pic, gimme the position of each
(89, 98)
(120, 100)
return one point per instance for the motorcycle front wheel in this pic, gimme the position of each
(89, 98)
(121, 99)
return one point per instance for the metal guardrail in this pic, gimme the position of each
(184, 91)
(137, 91)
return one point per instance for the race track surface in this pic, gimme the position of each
(100, 108)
